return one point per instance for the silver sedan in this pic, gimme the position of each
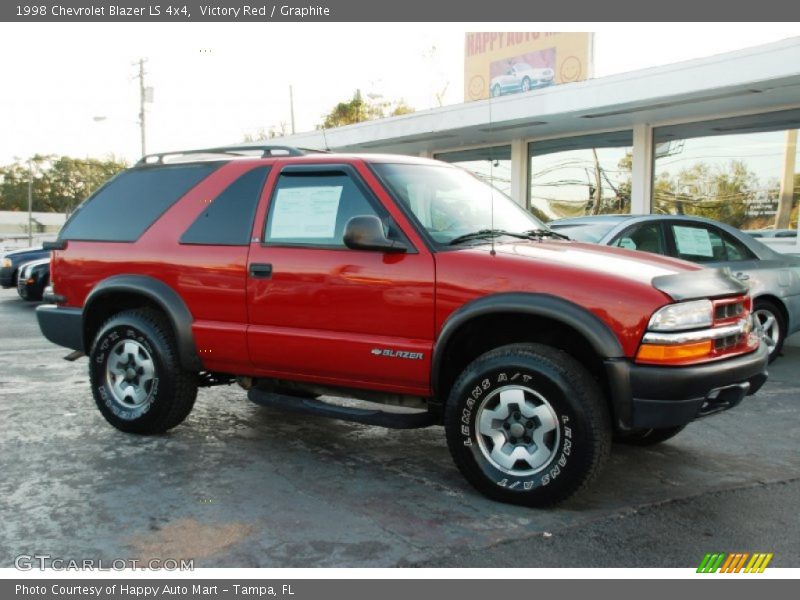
(774, 278)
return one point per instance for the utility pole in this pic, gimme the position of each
(30, 203)
(291, 106)
(598, 184)
(142, 99)
(784, 213)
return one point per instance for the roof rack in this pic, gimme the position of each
(232, 151)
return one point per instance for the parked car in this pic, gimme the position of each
(772, 233)
(9, 266)
(397, 280)
(521, 77)
(33, 278)
(773, 278)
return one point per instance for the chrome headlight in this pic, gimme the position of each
(683, 315)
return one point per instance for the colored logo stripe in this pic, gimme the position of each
(758, 563)
(711, 562)
(735, 562)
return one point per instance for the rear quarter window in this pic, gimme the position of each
(228, 220)
(123, 209)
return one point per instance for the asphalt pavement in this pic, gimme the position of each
(238, 485)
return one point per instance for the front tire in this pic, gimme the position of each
(136, 378)
(526, 425)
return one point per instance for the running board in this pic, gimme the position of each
(343, 413)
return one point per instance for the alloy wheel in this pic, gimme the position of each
(518, 430)
(130, 372)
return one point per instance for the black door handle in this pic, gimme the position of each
(260, 270)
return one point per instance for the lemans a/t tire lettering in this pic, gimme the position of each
(137, 381)
(526, 424)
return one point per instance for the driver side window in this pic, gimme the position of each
(312, 209)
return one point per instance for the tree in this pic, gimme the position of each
(262, 135)
(60, 183)
(357, 110)
(703, 190)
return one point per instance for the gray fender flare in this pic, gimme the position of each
(162, 295)
(599, 335)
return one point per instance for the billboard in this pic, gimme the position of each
(501, 63)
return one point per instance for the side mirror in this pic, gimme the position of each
(366, 233)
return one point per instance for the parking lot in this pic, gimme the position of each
(238, 485)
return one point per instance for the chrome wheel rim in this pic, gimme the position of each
(768, 328)
(518, 430)
(130, 373)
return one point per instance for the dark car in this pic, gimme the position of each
(773, 278)
(33, 278)
(12, 261)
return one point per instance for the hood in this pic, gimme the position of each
(678, 279)
(629, 264)
(37, 263)
(20, 253)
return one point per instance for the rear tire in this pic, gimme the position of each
(526, 425)
(136, 378)
(647, 437)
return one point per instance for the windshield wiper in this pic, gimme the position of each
(545, 233)
(487, 233)
(492, 233)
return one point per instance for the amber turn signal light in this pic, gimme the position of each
(673, 353)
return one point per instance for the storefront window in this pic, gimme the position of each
(492, 165)
(744, 171)
(585, 175)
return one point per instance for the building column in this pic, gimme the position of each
(519, 172)
(642, 169)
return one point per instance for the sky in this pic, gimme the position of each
(72, 88)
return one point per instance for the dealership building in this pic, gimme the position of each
(715, 136)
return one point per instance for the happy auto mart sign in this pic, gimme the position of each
(501, 63)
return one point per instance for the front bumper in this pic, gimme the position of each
(647, 396)
(61, 325)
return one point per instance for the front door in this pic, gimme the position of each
(319, 311)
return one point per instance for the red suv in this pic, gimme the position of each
(396, 280)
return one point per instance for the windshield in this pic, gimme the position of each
(450, 202)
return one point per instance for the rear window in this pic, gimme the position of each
(126, 206)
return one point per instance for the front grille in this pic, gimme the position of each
(731, 341)
(728, 310)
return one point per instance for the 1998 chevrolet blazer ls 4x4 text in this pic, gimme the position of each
(397, 280)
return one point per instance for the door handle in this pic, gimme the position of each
(260, 270)
(742, 276)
